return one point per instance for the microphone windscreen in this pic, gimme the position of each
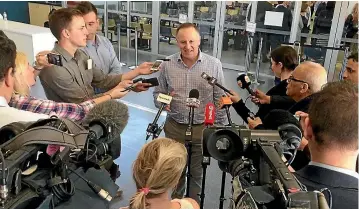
(243, 80)
(277, 117)
(209, 114)
(113, 113)
(194, 93)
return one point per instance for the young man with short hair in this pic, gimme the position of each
(72, 82)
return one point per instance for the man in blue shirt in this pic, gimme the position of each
(179, 76)
(99, 48)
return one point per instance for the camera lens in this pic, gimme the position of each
(223, 145)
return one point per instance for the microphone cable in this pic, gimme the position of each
(61, 186)
(94, 187)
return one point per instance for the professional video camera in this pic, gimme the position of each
(254, 158)
(41, 162)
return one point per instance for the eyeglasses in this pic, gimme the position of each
(291, 78)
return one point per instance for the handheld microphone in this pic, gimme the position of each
(244, 82)
(152, 128)
(224, 101)
(213, 81)
(105, 122)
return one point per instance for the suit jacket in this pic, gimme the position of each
(262, 7)
(287, 18)
(344, 188)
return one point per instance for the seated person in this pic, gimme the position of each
(7, 80)
(284, 60)
(307, 79)
(156, 172)
(25, 78)
(332, 133)
(74, 80)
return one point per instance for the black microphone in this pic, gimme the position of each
(288, 127)
(213, 81)
(153, 128)
(107, 120)
(244, 82)
(191, 102)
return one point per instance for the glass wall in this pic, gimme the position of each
(223, 32)
(204, 15)
(234, 34)
(170, 12)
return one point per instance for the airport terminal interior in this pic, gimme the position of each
(226, 33)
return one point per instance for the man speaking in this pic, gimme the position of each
(178, 77)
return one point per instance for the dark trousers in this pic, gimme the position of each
(176, 131)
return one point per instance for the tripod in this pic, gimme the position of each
(188, 143)
(154, 130)
(205, 162)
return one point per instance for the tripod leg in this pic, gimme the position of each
(189, 151)
(205, 162)
(221, 199)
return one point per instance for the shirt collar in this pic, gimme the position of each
(95, 43)
(65, 54)
(337, 169)
(3, 102)
(200, 57)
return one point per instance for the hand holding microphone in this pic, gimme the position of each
(260, 97)
(213, 81)
(244, 82)
(234, 97)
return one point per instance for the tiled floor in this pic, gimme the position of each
(133, 137)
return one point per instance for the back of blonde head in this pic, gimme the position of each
(158, 167)
(21, 86)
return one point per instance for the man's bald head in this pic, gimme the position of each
(314, 73)
(306, 79)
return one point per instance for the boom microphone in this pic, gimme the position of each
(244, 82)
(213, 81)
(107, 120)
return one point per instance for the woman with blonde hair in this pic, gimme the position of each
(25, 76)
(156, 171)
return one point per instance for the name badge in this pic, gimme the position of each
(89, 64)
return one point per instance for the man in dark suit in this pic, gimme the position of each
(331, 129)
(275, 39)
(262, 7)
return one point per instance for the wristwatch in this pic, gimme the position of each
(36, 67)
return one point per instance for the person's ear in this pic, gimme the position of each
(9, 78)
(65, 33)
(280, 64)
(305, 88)
(308, 129)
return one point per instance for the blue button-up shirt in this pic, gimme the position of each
(177, 78)
(103, 55)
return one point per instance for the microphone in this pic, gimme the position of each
(152, 128)
(213, 81)
(192, 102)
(225, 101)
(107, 120)
(288, 127)
(209, 114)
(244, 82)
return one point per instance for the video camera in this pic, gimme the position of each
(254, 158)
(34, 178)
